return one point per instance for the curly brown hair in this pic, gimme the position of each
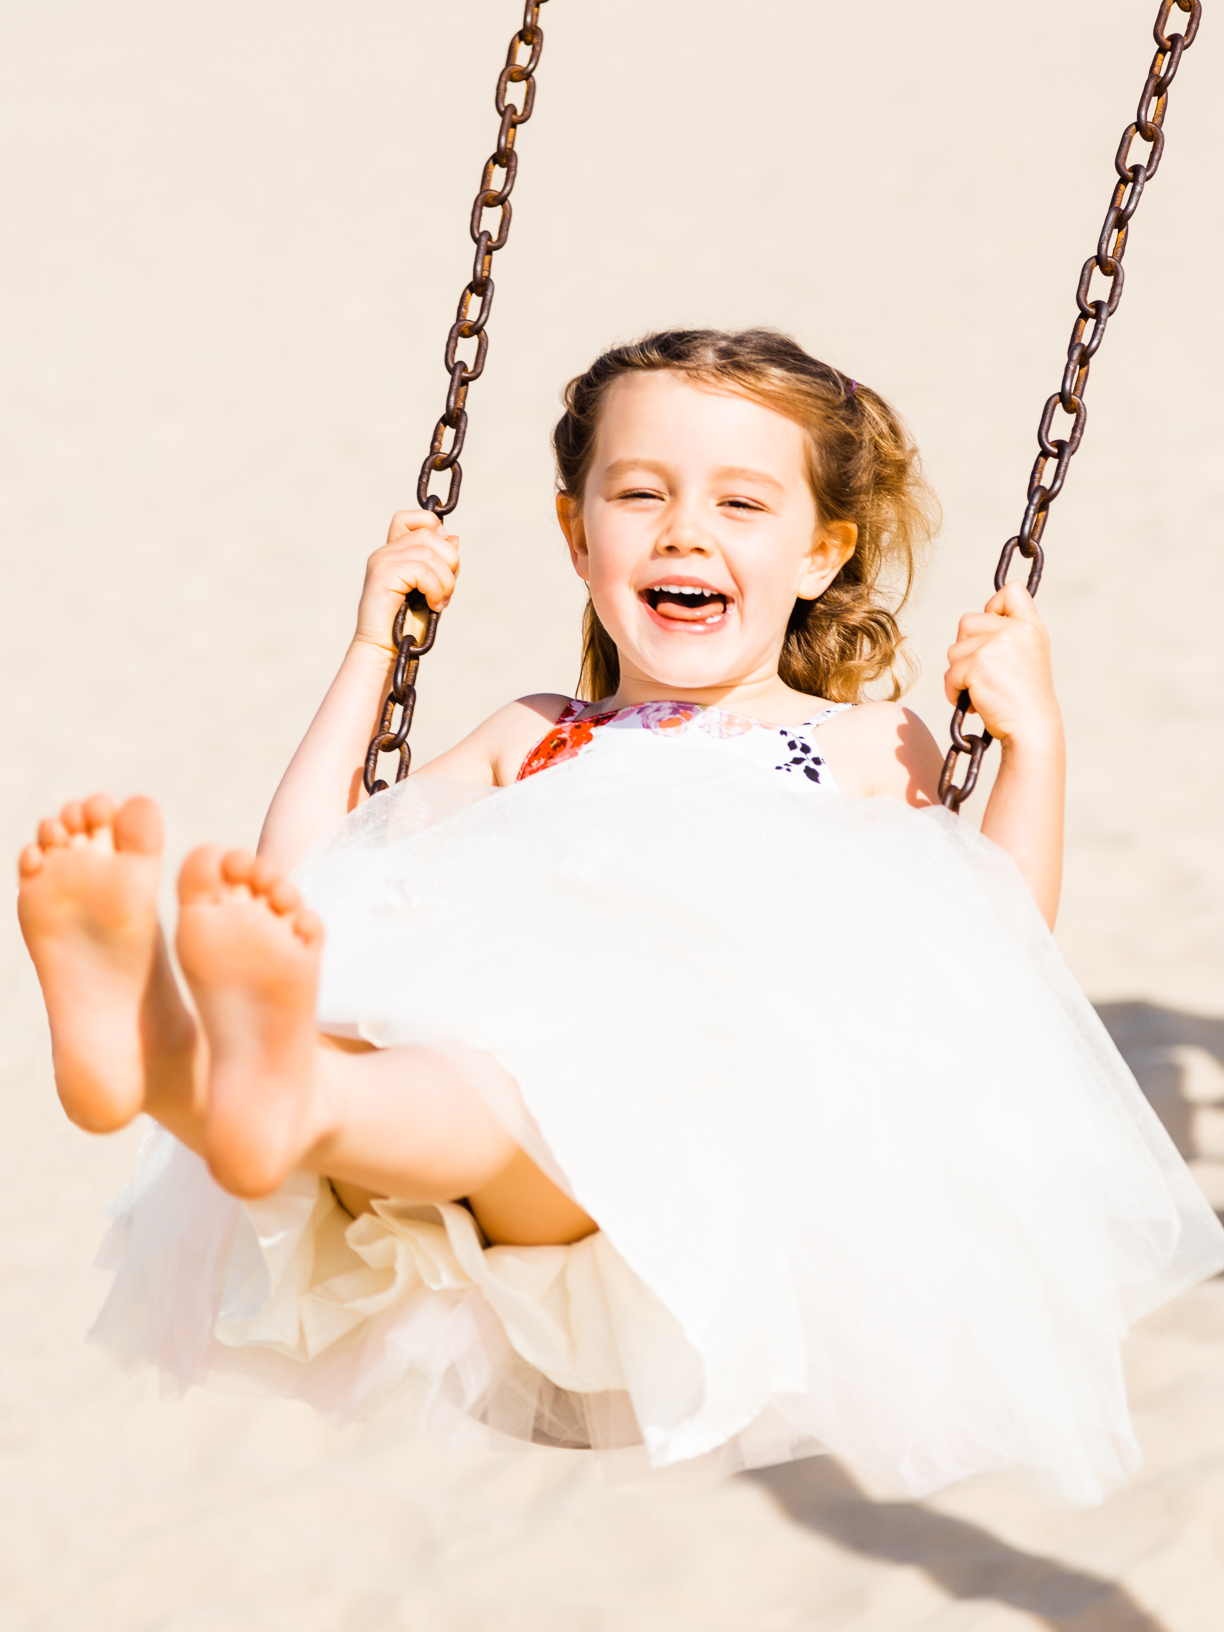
(862, 465)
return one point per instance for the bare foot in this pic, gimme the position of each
(88, 908)
(250, 952)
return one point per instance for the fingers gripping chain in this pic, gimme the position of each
(443, 456)
(1148, 126)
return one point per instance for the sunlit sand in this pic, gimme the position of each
(234, 243)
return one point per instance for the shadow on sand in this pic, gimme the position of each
(967, 1562)
(1178, 1059)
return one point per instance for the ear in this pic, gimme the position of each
(831, 548)
(570, 517)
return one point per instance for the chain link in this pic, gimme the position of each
(1043, 489)
(442, 459)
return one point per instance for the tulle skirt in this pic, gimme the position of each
(869, 1175)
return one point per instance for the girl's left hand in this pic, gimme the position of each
(1002, 659)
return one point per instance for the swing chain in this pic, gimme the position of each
(410, 647)
(1148, 126)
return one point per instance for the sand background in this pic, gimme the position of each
(233, 239)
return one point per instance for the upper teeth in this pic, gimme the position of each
(682, 589)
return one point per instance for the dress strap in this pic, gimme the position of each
(562, 739)
(825, 714)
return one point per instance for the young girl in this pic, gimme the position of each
(675, 1073)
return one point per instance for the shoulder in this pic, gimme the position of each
(495, 750)
(883, 748)
(527, 714)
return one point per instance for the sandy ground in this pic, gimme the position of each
(233, 239)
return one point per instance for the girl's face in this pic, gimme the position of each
(697, 532)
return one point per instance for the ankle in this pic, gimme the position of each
(324, 1120)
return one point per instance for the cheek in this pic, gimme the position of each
(609, 559)
(612, 597)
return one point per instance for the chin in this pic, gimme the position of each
(687, 670)
(683, 661)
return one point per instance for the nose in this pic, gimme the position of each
(682, 533)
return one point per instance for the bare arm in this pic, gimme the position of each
(1002, 658)
(323, 780)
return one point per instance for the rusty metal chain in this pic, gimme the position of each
(1148, 126)
(391, 736)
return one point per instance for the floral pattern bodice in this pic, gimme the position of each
(790, 750)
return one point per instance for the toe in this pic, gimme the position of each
(283, 896)
(200, 878)
(237, 867)
(264, 876)
(31, 861)
(52, 834)
(138, 827)
(73, 817)
(308, 927)
(98, 811)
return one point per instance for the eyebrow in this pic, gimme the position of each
(622, 467)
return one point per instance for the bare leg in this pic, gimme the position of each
(121, 1035)
(405, 1123)
(252, 1088)
(396, 1122)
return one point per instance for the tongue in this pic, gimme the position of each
(689, 608)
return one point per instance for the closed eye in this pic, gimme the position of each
(742, 504)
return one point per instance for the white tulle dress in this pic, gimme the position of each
(870, 1176)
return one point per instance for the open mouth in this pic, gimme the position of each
(686, 603)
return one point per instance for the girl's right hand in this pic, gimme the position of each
(417, 555)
